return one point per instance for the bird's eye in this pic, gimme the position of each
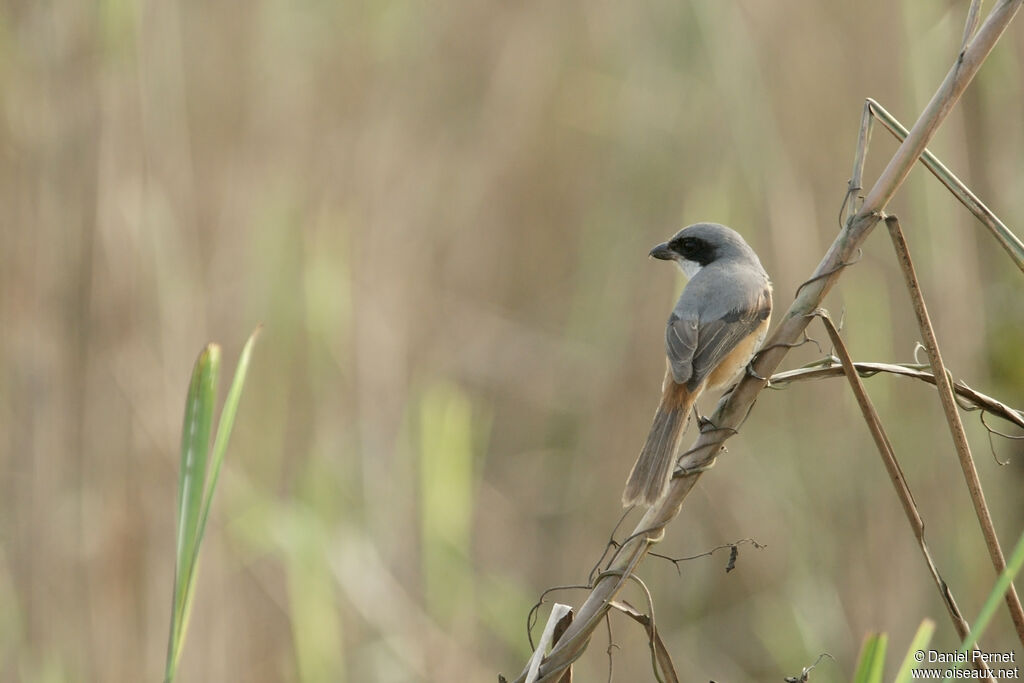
(695, 249)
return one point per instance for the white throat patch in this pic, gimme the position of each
(689, 268)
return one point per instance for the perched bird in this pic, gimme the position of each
(715, 328)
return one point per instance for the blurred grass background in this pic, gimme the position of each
(441, 213)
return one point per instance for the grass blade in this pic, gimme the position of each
(224, 427)
(195, 446)
(1013, 566)
(197, 482)
(872, 659)
(920, 642)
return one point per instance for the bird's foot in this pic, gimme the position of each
(682, 471)
(751, 372)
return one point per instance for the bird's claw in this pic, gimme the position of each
(751, 372)
(687, 471)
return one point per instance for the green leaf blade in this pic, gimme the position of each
(224, 427)
(195, 448)
(203, 495)
(919, 643)
(871, 664)
(995, 596)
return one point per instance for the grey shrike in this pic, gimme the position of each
(714, 330)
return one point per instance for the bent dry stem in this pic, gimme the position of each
(956, 426)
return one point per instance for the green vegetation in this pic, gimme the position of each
(197, 482)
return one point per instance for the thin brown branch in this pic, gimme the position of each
(532, 616)
(1007, 240)
(899, 481)
(854, 187)
(805, 674)
(956, 81)
(732, 410)
(734, 549)
(661, 660)
(611, 646)
(971, 399)
(956, 427)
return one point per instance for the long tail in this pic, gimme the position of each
(649, 478)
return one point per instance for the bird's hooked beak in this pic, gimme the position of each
(663, 252)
